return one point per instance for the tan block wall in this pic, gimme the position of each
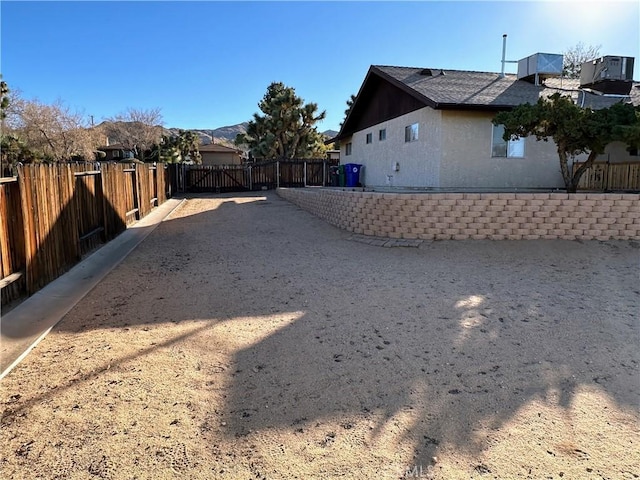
(495, 216)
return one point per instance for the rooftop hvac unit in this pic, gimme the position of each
(608, 74)
(539, 66)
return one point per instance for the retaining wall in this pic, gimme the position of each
(459, 216)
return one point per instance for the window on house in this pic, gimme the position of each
(369, 137)
(382, 134)
(633, 151)
(411, 133)
(505, 148)
(116, 153)
(347, 149)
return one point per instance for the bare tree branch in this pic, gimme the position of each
(575, 56)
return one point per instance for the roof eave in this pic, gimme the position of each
(405, 88)
(402, 86)
(341, 133)
(473, 106)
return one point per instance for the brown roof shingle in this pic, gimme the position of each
(460, 89)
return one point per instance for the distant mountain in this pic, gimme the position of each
(221, 136)
(227, 135)
(330, 133)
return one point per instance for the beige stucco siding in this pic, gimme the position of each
(617, 152)
(454, 151)
(220, 158)
(418, 161)
(467, 161)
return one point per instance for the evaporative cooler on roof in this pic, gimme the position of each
(608, 74)
(535, 68)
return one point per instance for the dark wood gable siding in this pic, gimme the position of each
(378, 102)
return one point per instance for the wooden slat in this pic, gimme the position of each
(51, 215)
(610, 176)
(8, 280)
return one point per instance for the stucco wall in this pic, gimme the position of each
(220, 158)
(419, 161)
(496, 216)
(467, 160)
(454, 151)
(616, 152)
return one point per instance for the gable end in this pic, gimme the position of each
(380, 99)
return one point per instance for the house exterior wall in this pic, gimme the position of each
(617, 152)
(454, 151)
(467, 160)
(418, 161)
(117, 155)
(220, 158)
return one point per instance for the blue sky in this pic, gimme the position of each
(208, 64)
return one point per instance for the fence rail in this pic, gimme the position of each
(52, 215)
(257, 176)
(605, 176)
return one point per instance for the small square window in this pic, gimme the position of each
(382, 134)
(411, 133)
(369, 137)
(347, 149)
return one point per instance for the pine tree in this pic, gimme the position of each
(287, 127)
(574, 130)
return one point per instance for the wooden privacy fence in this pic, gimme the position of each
(52, 215)
(256, 176)
(603, 176)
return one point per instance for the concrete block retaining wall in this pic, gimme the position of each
(459, 216)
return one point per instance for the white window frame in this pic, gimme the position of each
(369, 138)
(411, 132)
(382, 134)
(513, 148)
(348, 149)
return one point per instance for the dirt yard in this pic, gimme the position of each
(246, 339)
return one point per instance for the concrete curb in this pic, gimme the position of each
(25, 326)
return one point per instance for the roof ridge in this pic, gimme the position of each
(445, 69)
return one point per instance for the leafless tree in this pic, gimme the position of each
(54, 131)
(575, 56)
(136, 129)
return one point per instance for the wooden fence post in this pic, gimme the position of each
(324, 173)
(136, 197)
(106, 224)
(278, 174)
(304, 174)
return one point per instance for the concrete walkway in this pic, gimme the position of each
(25, 326)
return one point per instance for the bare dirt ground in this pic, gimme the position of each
(246, 339)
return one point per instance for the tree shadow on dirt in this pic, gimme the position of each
(142, 298)
(453, 330)
(450, 331)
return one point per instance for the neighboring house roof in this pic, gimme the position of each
(400, 90)
(215, 148)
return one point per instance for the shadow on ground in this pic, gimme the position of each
(458, 331)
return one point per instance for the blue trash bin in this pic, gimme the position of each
(352, 171)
